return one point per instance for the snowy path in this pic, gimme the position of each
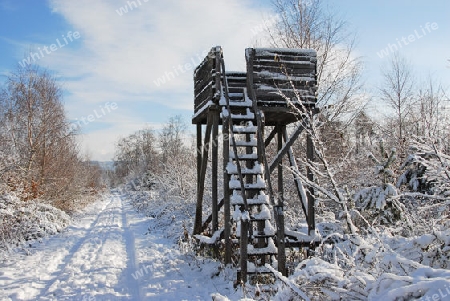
(106, 256)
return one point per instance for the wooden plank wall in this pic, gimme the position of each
(205, 86)
(278, 70)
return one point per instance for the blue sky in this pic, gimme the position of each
(119, 56)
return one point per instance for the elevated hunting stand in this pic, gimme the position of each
(278, 88)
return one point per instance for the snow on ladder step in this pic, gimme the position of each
(253, 269)
(271, 249)
(233, 170)
(236, 95)
(236, 184)
(262, 198)
(237, 103)
(264, 214)
(209, 240)
(253, 156)
(252, 142)
(247, 116)
(245, 129)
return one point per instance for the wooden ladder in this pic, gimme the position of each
(251, 206)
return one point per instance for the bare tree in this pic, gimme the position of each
(309, 24)
(171, 138)
(398, 93)
(137, 154)
(37, 135)
(165, 156)
(429, 115)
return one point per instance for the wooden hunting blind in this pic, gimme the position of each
(278, 88)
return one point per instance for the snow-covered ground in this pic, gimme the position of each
(111, 252)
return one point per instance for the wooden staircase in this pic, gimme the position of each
(251, 206)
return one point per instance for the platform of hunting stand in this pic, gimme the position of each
(284, 81)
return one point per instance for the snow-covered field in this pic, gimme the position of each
(111, 252)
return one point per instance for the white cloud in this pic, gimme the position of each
(118, 58)
(99, 144)
(134, 49)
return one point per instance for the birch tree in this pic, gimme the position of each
(36, 134)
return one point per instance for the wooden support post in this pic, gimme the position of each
(261, 225)
(270, 137)
(248, 150)
(281, 244)
(214, 178)
(199, 157)
(280, 165)
(201, 185)
(286, 147)
(298, 183)
(243, 249)
(279, 215)
(226, 190)
(198, 219)
(310, 175)
(249, 178)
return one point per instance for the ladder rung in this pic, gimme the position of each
(249, 115)
(237, 186)
(262, 236)
(243, 143)
(233, 170)
(246, 172)
(271, 249)
(261, 252)
(259, 219)
(240, 129)
(236, 199)
(259, 270)
(244, 156)
(236, 101)
(242, 117)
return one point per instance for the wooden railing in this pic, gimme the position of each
(274, 74)
(207, 79)
(290, 72)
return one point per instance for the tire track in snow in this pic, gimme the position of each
(93, 258)
(26, 276)
(171, 274)
(102, 262)
(132, 266)
(75, 248)
(95, 262)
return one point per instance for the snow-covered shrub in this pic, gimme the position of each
(173, 214)
(376, 266)
(326, 281)
(24, 221)
(426, 170)
(383, 168)
(422, 284)
(379, 203)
